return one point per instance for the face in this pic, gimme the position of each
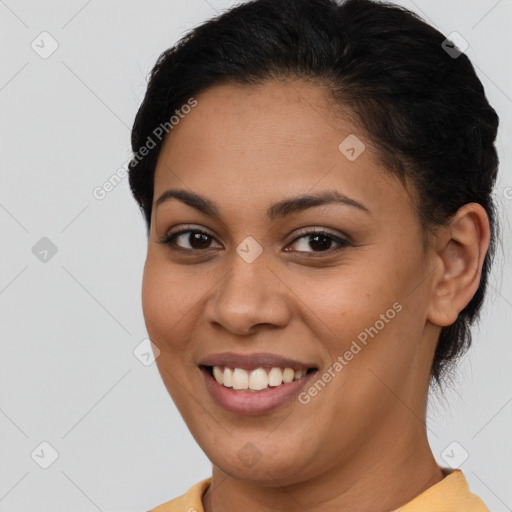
(253, 280)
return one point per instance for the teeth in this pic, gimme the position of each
(227, 377)
(256, 380)
(288, 375)
(218, 374)
(299, 374)
(240, 379)
(275, 377)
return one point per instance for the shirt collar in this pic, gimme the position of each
(452, 494)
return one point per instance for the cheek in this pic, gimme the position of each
(166, 302)
(153, 304)
(168, 317)
(351, 298)
(367, 311)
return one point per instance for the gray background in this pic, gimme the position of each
(69, 325)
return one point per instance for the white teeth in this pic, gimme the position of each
(288, 375)
(227, 377)
(218, 374)
(256, 380)
(275, 377)
(298, 374)
(240, 379)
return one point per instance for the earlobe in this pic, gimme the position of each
(461, 251)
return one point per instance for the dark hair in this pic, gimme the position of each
(422, 106)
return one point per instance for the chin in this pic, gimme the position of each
(271, 465)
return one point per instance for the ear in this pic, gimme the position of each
(461, 248)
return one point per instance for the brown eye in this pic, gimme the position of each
(319, 242)
(196, 240)
(313, 242)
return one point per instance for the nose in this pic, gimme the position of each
(249, 295)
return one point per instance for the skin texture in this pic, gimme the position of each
(360, 443)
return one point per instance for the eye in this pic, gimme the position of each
(195, 238)
(200, 241)
(320, 240)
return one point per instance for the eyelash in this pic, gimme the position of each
(169, 240)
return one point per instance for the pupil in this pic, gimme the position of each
(321, 247)
(196, 240)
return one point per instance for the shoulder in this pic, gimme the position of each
(452, 494)
(191, 501)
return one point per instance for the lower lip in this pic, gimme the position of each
(251, 403)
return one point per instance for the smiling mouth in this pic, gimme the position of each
(257, 380)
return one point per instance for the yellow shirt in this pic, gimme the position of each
(451, 494)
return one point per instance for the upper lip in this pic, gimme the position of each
(253, 361)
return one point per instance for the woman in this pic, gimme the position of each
(317, 183)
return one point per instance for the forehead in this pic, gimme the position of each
(274, 140)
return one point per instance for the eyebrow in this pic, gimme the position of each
(276, 211)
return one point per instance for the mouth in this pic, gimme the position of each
(256, 387)
(257, 380)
